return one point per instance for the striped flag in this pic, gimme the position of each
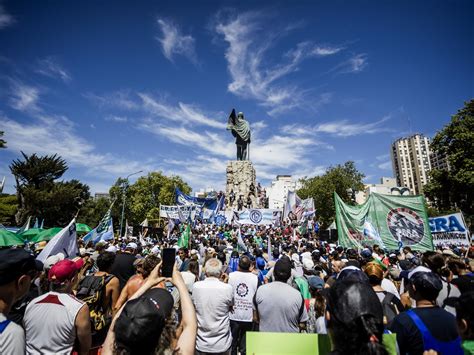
(64, 242)
(104, 231)
(183, 241)
(240, 241)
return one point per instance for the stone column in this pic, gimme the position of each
(240, 175)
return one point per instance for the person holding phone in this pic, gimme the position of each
(144, 324)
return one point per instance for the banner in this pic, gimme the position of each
(298, 207)
(389, 221)
(64, 242)
(449, 230)
(258, 216)
(206, 206)
(175, 212)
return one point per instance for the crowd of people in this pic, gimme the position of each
(112, 298)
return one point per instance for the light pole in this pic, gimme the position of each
(123, 199)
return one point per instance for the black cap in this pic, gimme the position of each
(142, 320)
(282, 269)
(349, 300)
(15, 263)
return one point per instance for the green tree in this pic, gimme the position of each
(3, 143)
(39, 195)
(337, 179)
(93, 210)
(144, 197)
(8, 207)
(454, 189)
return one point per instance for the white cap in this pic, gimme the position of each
(53, 259)
(308, 264)
(131, 245)
(155, 250)
(111, 249)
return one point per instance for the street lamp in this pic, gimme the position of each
(123, 199)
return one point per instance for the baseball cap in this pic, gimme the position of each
(282, 269)
(111, 249)
(15, 263)
(53, 259)
(131, 245)
(64, 270)
(142, 320)
(308, 264)
(349, 300)
(315, 283)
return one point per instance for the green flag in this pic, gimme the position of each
(389, 221)
(8, 239)
(183, 241)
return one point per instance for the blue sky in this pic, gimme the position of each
(115, 86)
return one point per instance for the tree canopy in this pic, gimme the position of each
(454, 188)
(337, 179)
(3, 143)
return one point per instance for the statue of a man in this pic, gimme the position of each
(241, 131)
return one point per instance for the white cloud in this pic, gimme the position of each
(355, 64)
(24, 97)
(51, 68)
(119, 99)
(173, 42)
(323, 51)
(55, 135)
(251, 74)
(5, 18)
(386, 166)
(184, 113)
(119, 119)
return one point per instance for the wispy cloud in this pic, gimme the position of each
(173, 42)
(117, 100)
(252, 75)
(51, 68)
(386, 165)
(57, 136)
(340, 128)
(355, 64)
(119, 119)
(5, 18)
(24, 97)
(184, 113)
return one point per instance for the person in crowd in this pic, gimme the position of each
(244, 285)
(144, 268)
(123, 265)
(17, 269)
(355, 319)
(390, 303)
(465, 320)
(191, 275)
(213, 300)
(437, 263)
(146, 323)
(426, 327)
(463, 279)
(278, 306)
(57, 322)
(183, 255)
(100, 291)
(317, 306)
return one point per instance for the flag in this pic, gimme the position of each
(183, 241)
(42, 223)
(104, 231)
(232, 118)
(181, 217)
(25, 227)
(240, 241)
(144, 224)
(385, 220)
(36, 225)
(269, 247)
(171, 225)
(2, 184)
(64, 242)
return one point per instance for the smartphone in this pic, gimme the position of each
(169, 255)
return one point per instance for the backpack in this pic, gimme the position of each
(390, 310)
(91, 290)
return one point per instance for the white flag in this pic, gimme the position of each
(64, 242)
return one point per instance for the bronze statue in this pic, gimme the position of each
(241, 131)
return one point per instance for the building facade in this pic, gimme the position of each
(387, 186)
(411, 162)
(278, 190)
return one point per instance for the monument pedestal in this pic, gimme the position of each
(240, 176)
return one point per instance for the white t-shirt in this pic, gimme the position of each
(12, 339)
(50, 323)
(212, 300)
(244, 285)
